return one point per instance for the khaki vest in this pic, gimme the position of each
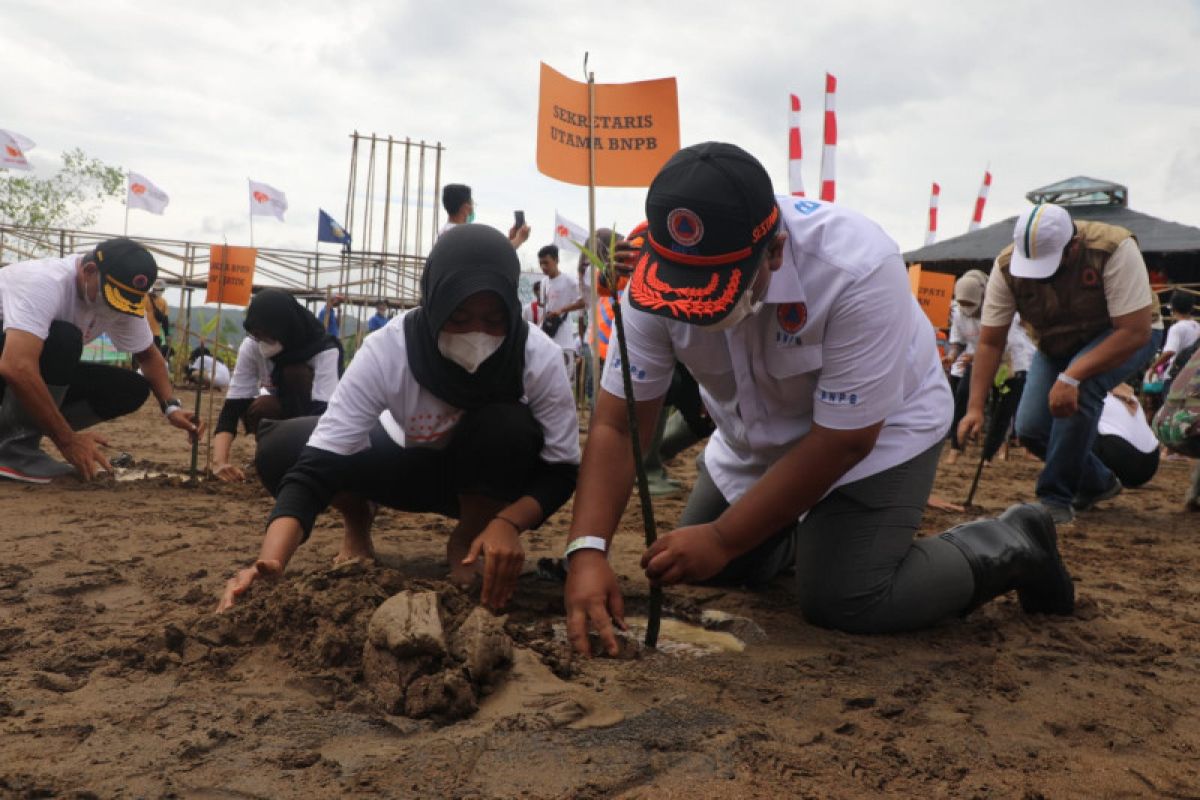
(1069, 310)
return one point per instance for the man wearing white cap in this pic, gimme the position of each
(1084, 290)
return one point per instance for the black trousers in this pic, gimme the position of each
(493, 451)
(1130, 465)
(108, 392)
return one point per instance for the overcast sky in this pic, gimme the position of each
(200, 96)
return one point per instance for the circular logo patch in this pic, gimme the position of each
(1089, 277)
(685, 227)
(791, 316)
(140, 281)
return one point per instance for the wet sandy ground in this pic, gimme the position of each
(116, 681)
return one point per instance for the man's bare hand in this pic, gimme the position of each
(1063, 399)
(187, 421)
(686, 555)
(593, 598)
(970, 426)
(82, 451)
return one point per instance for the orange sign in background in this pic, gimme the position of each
(230, 274)
(933, 291)
(636, 129)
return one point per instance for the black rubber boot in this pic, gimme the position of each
(1019, 550)
(21, 454)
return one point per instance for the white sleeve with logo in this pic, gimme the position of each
(865, 355)
(651, 356)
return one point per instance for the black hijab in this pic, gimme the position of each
(467, 259)
(277, 314)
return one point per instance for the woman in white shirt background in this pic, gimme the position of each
(478, 424)
(1183, 333)
(287, 367)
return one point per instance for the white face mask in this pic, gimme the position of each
(270, 349)
(468, 350)
(745, 307)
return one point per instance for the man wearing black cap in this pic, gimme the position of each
(822, 376)
(50, 308)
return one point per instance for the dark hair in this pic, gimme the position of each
(454, 195)
(1182, 302)
(549, 250)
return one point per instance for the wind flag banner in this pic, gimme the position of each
(230, 274)
(981, 201)
(328, 230)
(145, 195)
(267, 201)
(635, 131)
(931, 234)
(24, 142)
(12, 155)
(829, 150)
(795, 155)
(567, 235)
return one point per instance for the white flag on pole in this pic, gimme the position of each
(24, 142)
(12, 153)
(145, 195)
(567, 235)
(267, 201)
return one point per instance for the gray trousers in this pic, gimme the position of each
(858, 566)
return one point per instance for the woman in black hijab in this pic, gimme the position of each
(456, 407)
(289, 354)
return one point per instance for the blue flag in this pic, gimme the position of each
(330, 231)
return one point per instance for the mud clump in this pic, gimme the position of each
(424, 658)
(423, 649)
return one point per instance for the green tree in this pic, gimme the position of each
(67, 199)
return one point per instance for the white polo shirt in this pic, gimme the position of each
(33, 294)
(379, 380)
(964, 331)
(840, 341)
(253, 372)
(557, 293)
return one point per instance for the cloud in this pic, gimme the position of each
(201, 97)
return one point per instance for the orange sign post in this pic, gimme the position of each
(230, 282)
(230, 274)
(633, 130)
(933, 291)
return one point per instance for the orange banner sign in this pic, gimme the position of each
(230, 274)
(635, 131)
(933, 291)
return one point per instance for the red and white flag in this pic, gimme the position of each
(981, 201)
(567, 235)
(829, 150)
(267, 201)
(795, 155)
(145, 195)
(931, 234)
(12, 150)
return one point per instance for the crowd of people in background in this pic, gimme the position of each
(780, 331)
